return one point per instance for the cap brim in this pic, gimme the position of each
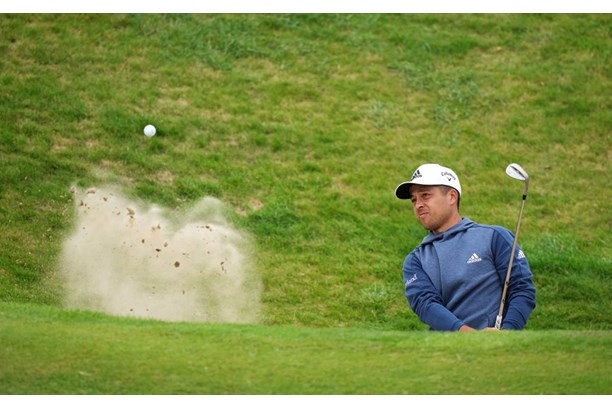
(403, 191)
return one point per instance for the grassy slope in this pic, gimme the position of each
(85, 353)
(304, 125)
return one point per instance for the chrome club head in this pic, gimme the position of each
(518, 173)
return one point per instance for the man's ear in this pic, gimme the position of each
(454, 195)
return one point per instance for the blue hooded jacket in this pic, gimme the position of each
(456, 277)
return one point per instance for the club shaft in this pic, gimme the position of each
(498, 321)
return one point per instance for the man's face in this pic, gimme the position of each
(434, 207)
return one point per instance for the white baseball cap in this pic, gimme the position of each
(429, 175)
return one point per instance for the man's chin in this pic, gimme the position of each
(430, 227)
(426, 225)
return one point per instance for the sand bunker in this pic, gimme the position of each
(128, 260)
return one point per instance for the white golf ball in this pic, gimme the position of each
(149, 131)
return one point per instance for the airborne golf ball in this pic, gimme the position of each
(149, 130)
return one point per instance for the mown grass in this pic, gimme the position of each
(304, 125)
(85, 353)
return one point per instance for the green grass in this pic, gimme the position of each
(84, 353)
(303, 125)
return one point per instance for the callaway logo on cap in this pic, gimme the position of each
(429, 175)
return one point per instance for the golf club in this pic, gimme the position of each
(516, 172)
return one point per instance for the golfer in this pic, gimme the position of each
(454, 279)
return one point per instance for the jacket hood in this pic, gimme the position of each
(464, 224)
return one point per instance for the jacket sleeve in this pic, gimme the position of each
(520, 298)
(424, 299)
